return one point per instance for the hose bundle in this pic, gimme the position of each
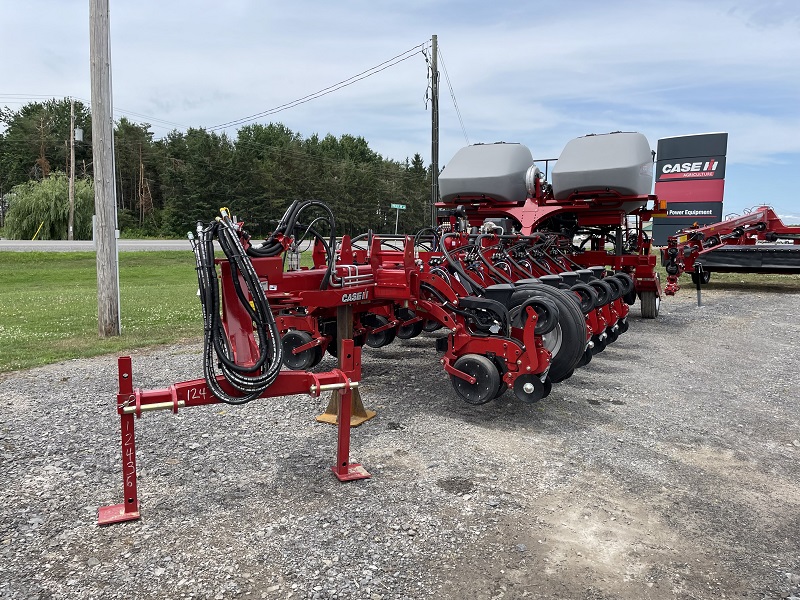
(274, 245)
(250, 381)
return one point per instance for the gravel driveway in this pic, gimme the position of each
(667, 468)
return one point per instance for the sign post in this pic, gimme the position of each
(398, 207)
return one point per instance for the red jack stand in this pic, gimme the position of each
(131, 403)
(129, 509)
(345, 408)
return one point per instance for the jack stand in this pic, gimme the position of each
(698, 269)
(345, 408)
(131, 403)
(129, 509)
(358, 414)
(344, 469)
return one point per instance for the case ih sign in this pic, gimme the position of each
(690, 177)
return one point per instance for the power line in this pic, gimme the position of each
(403, 56)
(453, 95)
(156, 122)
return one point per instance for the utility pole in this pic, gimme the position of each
(105, 204)
(70, 235)
(434, 129)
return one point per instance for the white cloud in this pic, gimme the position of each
(521, 72)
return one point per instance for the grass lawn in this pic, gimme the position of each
(48, 305)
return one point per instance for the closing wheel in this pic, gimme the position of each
(412, 330)
(430, 325)
(612, 334)
(564, 377)
(305, 359)
(626, 281)
(603, 290)
(617, 290)
(529, 388)
(599, 344)
(586, 358)
(623, 325)
(630, 297)
(587, 296)
(487, 379)
(546, 312)
(380, 338)
(650, 304)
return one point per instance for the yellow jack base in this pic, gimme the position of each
(358, 414)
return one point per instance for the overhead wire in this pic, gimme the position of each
(395, 60)
(452, 94)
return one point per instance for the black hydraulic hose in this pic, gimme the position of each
(331, 247)
(424, 230)
(516, 265)
(486, 261)
(456, 265)
(251, 381)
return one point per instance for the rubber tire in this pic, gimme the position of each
(588, 297)
(384, 338)
(306, 359)
(704, 278)
(406, 332)
(486, 374)
(603, 290)
(626, 281)
(573, 329)
(546, 310)
(630, 297)
(650, 304)
(617, 289)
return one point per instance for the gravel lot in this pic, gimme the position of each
(667, 468)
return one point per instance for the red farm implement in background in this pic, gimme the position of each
(757, 242)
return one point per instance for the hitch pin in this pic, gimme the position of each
(128, 410)
(325, 387)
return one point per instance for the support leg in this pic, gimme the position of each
(128, 510)
(344, 469)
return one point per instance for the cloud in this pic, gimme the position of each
(537, 75)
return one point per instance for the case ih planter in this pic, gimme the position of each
(527, 280)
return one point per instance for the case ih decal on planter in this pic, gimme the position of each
(355, 296)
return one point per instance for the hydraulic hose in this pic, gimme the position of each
(250, 381)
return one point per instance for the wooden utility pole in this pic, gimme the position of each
(70, 223)
(105, 204)
(434, 129)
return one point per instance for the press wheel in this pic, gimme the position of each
(487, 379)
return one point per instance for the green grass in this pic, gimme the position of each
(48, 305)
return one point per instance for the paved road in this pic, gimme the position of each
(88, 246)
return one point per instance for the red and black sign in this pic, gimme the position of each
(690, 177)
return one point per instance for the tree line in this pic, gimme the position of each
(165, 186)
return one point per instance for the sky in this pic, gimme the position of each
(538, 73)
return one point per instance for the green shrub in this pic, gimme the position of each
(45, 204)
